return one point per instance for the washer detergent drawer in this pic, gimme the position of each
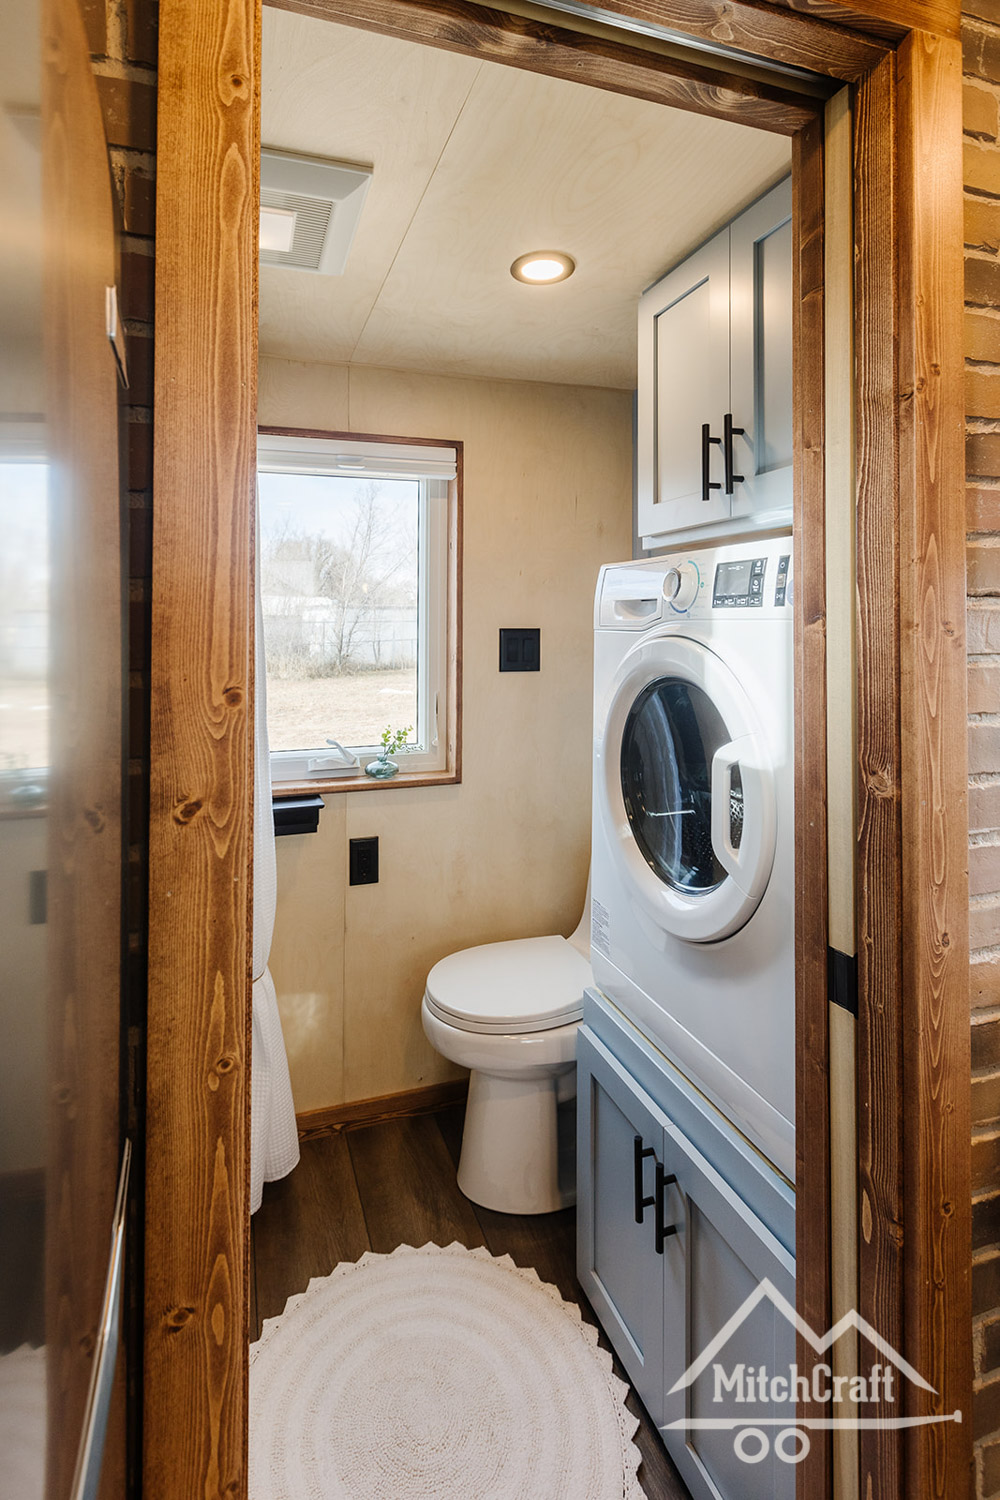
(665, 1288)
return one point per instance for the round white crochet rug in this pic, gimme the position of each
(436, 1374)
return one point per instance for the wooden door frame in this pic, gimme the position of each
(903, 61)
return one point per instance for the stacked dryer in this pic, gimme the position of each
(692, 915)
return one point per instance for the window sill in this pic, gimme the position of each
(316, 784)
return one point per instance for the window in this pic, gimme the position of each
(358, 547)
(24, 605)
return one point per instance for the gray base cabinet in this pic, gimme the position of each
(680, 1221)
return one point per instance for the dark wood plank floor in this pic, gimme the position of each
(378, 1186)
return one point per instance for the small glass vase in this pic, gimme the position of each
(381, 769)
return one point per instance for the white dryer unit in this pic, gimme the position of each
(692, 898)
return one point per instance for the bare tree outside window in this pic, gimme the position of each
(339, 595)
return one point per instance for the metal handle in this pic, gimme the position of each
(663, 1181)
(639, 1154)
(706, 443)
(728, 433)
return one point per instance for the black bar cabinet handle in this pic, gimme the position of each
(706, 447)
(728, 433)
(663, 1181)
(639, 1155)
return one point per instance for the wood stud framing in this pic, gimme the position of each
(913, 1135)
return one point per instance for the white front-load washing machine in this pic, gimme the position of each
(693, 869)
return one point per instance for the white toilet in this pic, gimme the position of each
(509, 1012)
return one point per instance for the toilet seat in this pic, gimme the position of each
(529, 984)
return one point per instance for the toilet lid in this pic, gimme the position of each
(530, 984)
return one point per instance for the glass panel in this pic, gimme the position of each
(671, 735)
(339, 569)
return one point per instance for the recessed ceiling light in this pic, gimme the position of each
(542, 266)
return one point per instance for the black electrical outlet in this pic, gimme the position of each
(364, 862)
(520, 650)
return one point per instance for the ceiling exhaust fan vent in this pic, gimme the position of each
(309, 211)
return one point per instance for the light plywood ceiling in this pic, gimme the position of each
(475, 164)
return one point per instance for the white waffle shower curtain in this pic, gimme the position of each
(274, 1140)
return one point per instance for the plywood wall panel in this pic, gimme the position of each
(504, 854)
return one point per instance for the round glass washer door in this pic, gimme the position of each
(687, 788)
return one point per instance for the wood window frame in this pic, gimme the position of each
(902, 60)
(451, 772)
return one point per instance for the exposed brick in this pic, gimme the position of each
(986, 1163)
(140, 458)
(986, 1409)
(979, 111)
(984, 927)
(981, 52)
(95, 20)
(990, 1453)
(982, 223)
(991, 1348)
(986, 1100)
(139, 206)
(129, 112)
(982, 393)
(140, 542)
(984, 688)
(138, 633)
(985, 1222)
(986, 1285)
(982, 454)
(983, 568)
(982, 338)
(982, 508)
(984, 984)
(986, 1046)
(982, 277)
(984, 749)
(140, 32)
(137, 286)
(138, 722)
(983, 10)
(139, 354)
(984, 869)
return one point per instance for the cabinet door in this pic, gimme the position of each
(683, 383)
(616, 1259)
(721, 1253)
(761, 312)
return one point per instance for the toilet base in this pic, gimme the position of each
(510, 1146)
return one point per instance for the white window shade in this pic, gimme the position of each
(276, 455)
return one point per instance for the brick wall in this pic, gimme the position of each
(981, 38)
(122, 36)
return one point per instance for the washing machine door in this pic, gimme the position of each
(686, 789)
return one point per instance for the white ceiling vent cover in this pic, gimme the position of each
(326, 199)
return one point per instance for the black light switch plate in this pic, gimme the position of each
(364, 862)
(520, 650)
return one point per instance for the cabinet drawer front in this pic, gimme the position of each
(617, 1262)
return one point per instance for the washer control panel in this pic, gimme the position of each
(739, 582)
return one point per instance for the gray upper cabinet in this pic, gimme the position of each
(715, 383)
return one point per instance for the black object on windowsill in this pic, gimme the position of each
(296, 814)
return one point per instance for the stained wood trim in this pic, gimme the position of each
(313, 1123)
(889, 19)
(797, 41)
(495, 36)
(198, 1049)
(878, 913)
(360, 437)
(812, 1082)
(937, 1222)
(320, 788)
